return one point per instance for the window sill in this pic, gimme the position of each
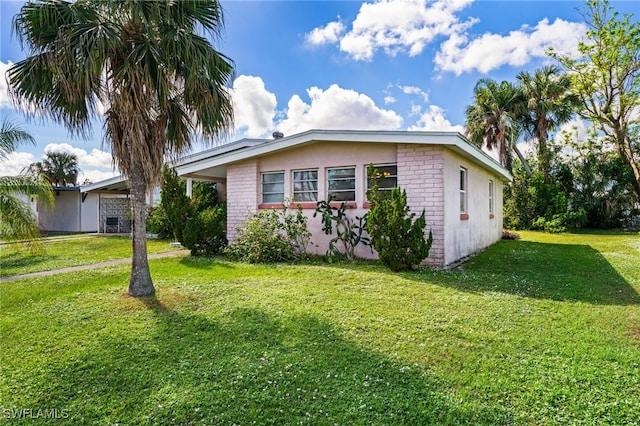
(464, 216)
(348, 204)
(272, 206)
(303, 205)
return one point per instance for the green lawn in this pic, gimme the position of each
(61, 252)
(544, 330)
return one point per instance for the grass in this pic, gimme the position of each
(61, 252)
(544, 330)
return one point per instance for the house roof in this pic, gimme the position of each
(215, 166)
(212, 163)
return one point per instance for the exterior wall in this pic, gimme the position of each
(429, 174)
(89, 213)
(321, 156)
(421, 174)
(242, 193)
(466, 234)
(64, 216)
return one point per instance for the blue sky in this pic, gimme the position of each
(393, 65)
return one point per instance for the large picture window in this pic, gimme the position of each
(341, 184)
(305, 186)
(463, 190)
(273, 187)
(386, 177)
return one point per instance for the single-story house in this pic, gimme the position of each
(458, 185)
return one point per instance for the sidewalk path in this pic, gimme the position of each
(85, 267)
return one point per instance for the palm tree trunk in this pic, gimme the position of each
(523, 160)
(140, 283)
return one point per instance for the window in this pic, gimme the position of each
(341, 184)
(305, 186)
(463, 190)
(387, 179)
(490, 196)
(273, 187)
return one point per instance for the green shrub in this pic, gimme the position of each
(157, 223)
(274, 235)
(396, 236)
(204, 233)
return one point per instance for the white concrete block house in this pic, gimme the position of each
(458, 185)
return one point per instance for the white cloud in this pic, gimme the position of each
(491, 51)
(5, 100)
(338, 109)
(94, 176)
(396, 26)
(434, 119)
(330, 33)
(15, 162)
(95, 158)
(389, 99)
(253, 105)
(412, 90)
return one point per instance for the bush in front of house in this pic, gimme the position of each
(275, 235)
(204, 232)
(396, 234)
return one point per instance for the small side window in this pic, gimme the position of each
(463, 190)
(273, 187)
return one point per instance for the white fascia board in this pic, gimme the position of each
(99, 185)
(454, 140)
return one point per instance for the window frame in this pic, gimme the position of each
(384, 189)
(293, 186)
(353, 190)
(262, 183)
(463, 185)
(491, 197)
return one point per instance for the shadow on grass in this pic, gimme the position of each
(248, 367)
(562, 272)
(14, 262)
(205, 262)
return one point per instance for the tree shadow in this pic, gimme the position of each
(205, 262)
(562, 272)
(14, 262)
(250, 367)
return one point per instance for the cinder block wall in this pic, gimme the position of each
(421, 174)
(242, 194)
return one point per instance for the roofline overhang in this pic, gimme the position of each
(453, 140)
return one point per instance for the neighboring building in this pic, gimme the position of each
(72, 211)
(458, 185)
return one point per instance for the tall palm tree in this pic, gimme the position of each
(549, 104)
(160, 81)
(16, 218)
(61, 168)
(491, 120)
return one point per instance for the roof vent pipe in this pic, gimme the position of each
(277, 135)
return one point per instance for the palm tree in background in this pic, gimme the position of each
(549, 104)
(17, 221)
(159, 80)
(492, 119)
(60, 168)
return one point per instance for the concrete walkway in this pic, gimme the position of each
(86, 267)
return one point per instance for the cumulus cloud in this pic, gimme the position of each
(330, 33)
(15, 162)
(491, 51)
(338, 109)
(5, 101)
(94, 166)
(434, 119)
(254, 106)
(395, 26)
